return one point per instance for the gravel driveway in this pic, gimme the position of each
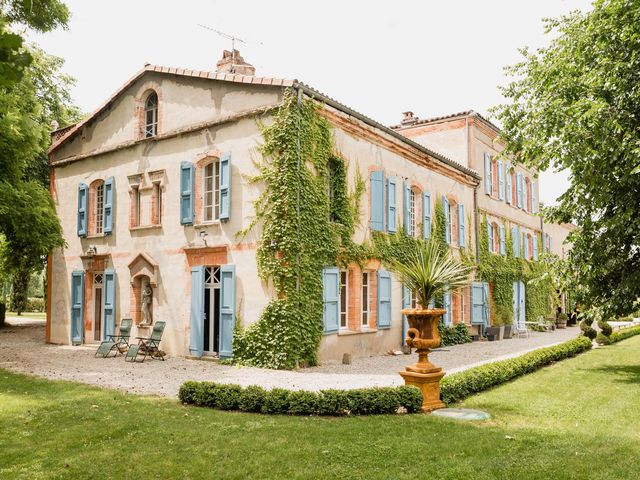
(22, 350)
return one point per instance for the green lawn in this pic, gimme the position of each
(576, 419)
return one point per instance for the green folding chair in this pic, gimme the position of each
(147, 346)
(116, 343)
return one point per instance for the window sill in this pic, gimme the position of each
(99, 235)
(355, 332)
(145, 227)
(214, 223)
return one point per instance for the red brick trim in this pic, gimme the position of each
(144, 91)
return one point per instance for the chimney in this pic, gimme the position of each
(232, 62)
(408, 119)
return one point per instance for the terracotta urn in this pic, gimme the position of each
(423, 336)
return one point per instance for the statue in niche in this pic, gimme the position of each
(147, 294)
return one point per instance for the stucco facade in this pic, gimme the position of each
(152, 191)
(119, 194)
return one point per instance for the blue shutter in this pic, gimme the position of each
(109, 303)
(534, 205)
(501, 180)
(77, 307)
(490, 236)
(485, 299)
(392, 209)
(503, 243)
(225, 187)
(509, 188)
(227, 309)
(477, 303)
(406, 303)
(446, 301)
(330, 294)
(522, 311)
(535, 246)
(515, 303)
(550, 250)
(515, 239)
(525, 246)
(196, 338)
(519, 189)
(384, 299)
(461, 238)
(447, 220)
(487, 174)
(83, 195)
(426, 215)
(405, 208)
(186, 193)
(109, 192)
(377, 200)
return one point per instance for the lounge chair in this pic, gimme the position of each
(520, 329)
(147, 345)
(116, 343)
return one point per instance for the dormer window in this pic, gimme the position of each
(151, 116)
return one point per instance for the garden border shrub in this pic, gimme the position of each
(458, 386)
(624, 333)
(361, 401)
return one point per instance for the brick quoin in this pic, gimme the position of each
(354, 287)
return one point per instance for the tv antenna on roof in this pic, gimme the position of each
(233, 39)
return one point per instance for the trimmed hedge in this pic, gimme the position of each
(458, 386)
(278, 401)
(624, 333)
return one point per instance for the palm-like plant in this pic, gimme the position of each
(428, 271)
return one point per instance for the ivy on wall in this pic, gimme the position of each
(502, 270)
(302, 232)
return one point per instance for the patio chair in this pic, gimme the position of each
(116, 343)
(147, 346)
(520, 330)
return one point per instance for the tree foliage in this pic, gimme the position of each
(575, 106)
(33, 93)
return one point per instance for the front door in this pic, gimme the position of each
(98, 279)
(211, 328)
(519, 310)
(213, 307)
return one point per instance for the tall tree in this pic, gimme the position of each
(575, 105)
(33, 92)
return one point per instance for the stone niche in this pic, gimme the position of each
(143, 270)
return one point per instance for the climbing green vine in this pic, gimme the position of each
(502, 270)
(301, 232)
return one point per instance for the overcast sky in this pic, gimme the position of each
(378, 57)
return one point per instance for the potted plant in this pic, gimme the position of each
(502, 323)
(429, 271)
(561, 320)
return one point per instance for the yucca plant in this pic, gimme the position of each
(428, 270)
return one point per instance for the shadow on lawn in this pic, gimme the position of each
(624, 373)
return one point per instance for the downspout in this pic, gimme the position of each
(475, 189)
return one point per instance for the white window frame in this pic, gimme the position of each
(365, 309)
(211, 212)
(151, 125)
(412, 212)
(99, 209)
(343, 314)
(413, 300)
(453, 209)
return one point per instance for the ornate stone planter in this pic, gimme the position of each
(423, 335)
